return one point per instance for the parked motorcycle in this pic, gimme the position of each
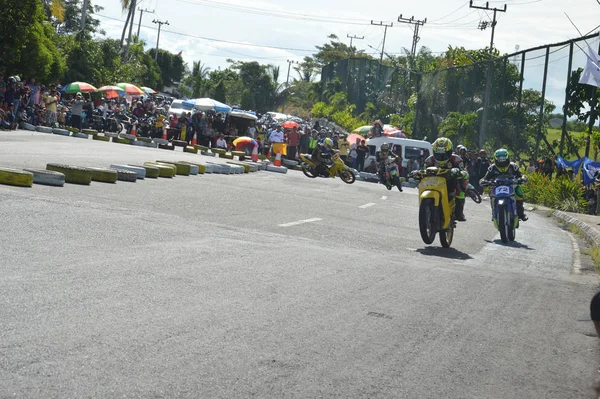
(504, 206)
(337, 168)
(392, 174)
(436, 210)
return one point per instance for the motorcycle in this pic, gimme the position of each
(436, 210)
(504, 206)
(392, 175)
(338, 167)
(473, 194)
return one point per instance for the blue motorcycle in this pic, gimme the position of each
(504, 206)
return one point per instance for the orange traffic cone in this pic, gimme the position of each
(134, 129)
(254, 155)
(194, 140)
(164, 136)
(277, 160)
(269, 153)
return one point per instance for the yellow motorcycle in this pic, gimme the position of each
(435, 210)
(337, 168)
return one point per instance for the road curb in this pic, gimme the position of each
(590, 234)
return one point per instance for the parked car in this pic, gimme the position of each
(177, 108)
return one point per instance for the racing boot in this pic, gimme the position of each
(521, 211)
(459, 208)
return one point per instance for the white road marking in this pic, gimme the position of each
(365, 206)
(296, 223)
(576, 255)
(384, 197)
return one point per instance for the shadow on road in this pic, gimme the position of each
(449, 253)
(512, 244)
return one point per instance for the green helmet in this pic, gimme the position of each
(501, 158)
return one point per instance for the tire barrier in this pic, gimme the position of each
(130, 137)
(101, 138)
(163, 170)
(91, 132)
(145, 139)
(139, 171)
(218, 150)
(190, 150)
(138, 143)
(208, 154)
(111, 134)
(43, 129)
(73, 174)
(201, 148)
(80, 135)
(104, 175)
(216, 167)
(239, 154)
(289, 162)
(27, 126)
(201, 168)
(120, 140)
(277, 169)
(166, 147)
(179, 143)
(126, 175)
(180, 167)
(226, 156)
(63, 132)
(47, 177)
(15, 177)
(160, 141)
(151, 145)
(245, 167)
(152, 172)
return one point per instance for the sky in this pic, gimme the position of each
(212, 31)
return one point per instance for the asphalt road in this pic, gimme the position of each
(273, 286)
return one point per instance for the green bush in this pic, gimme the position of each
(560, 193)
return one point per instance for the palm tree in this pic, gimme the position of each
(126, 4)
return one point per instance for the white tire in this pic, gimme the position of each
(44, 129)
(208, 154)
(127, 136)
(111, 134)
(150, 145)
(27, 126)
(141, 172)
(138, 143)
(160, 141)
(289, 162)
(277, 169)
(47, 177)
(193, 169)
(61, 131)
(80, 135)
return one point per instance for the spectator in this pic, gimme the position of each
(2, 86)
(531, 167)
(377, 129)
(51, 102)
(293, 140)
(305, 141)
(480, 169)
(352, 155)
(372, 168)
(221, 143)
(76, 111)
(344, 147)
(251, 130)
(61, 117)
(276, 138)
(362, 153)
(595, 311)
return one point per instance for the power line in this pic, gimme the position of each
(447, 15)
(416, 23)
(160, 24)
(381, 23)
(141, 15)
(483, 26)
(354, 37)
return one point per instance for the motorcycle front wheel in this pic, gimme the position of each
(502, 223)
(427, 225)
(347, 176)
(474, 195)
(308, 171)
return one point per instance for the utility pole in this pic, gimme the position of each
(416, 37)
(141, 15)
(353, 37)
(381, 23)
(133, 3)
(83, 14)
(287, 82)
(160, 24)
(485, 24)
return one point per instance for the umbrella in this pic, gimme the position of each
(395, 133)
(207, 104)
(353, 137)
(130, 89)
(244, 140)
(290, 125)
(389, 128)
(148, 90)
(79, 87)
(243, 114)
(111, 91)
(362, 130)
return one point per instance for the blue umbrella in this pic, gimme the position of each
(207, 104)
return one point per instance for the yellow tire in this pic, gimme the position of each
(100, 138)
(238, 153)
(246, 167)
(201, 168)
(201, 148)
(73, 174)
(180, 168)
(90, 132)
(218, 150)
(163, 170)
(104, 175)
(145, 139)
(15, 177)
(151, 171)
(120, 140)
(226, 156)
(190, 149)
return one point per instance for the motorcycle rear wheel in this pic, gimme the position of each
(447, 236)
(474, 195)
(347, 176)
(398, 183)
(511, 230)
(502, 223)
(427, 225)
(308, 171)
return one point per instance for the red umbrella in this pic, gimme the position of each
(290, 125)
(353, 137)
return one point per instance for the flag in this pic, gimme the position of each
(180, 52)
(591, 72)
(569, 164)
(590, 168)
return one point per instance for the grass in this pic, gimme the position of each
(594, 253)
(555, 134)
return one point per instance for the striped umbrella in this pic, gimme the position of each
(81, 87)
(131, 89)
(111, 91)
(148, 90)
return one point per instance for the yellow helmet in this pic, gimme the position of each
(442, 149)
(328, 143)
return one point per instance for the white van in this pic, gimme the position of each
(407, 148)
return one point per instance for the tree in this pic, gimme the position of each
(335, 50)
(171, 66)
(460, 128)
(307, 69)
(582, 102)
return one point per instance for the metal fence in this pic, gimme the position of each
(504, 101)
